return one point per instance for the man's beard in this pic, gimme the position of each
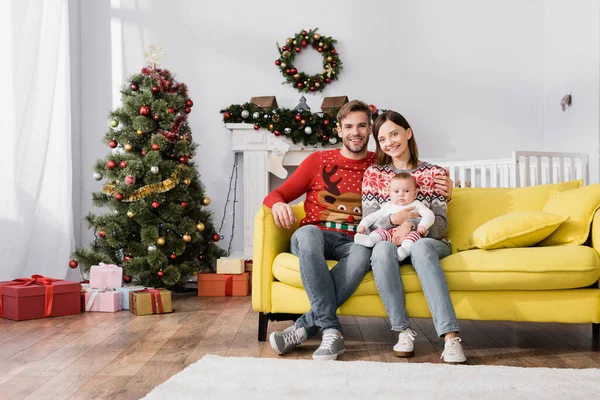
(353, 148)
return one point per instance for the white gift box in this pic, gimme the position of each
(230, 265)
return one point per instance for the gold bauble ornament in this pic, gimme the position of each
(200, 226)
(140, 132)
(186, 238)
(303, 122)
(187, 181)
(205, 201)
(128, 147)
(271, 127)
(283, 65)
(295, 42)
(130, 214)
(297, 76)
(317, 84)
(320, 44)
(329, 59)
(160, 241)
(316, 36)
(288, 40)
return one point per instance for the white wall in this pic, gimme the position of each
(475, 79)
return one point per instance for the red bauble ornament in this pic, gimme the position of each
(216, 237)
(155, 146)
(184, 204)
(173, 256)
(130, 179)
(111, 164)
(171, 110)
(323, 138)
(294, 71)
(256, 127)
(373, 108)
(155, 89)
(350, 218)
(112, 144)
(127, 257)
(188, 110)
(156, 117)
(173, 156)
(313, 89)
(145, 71)
(168, 83)
(277, 133)
(118, 196)
(201, 257)
(277, 62)
(127, 279)
(304, 33)
(102, 234)
(300, 85)
(144, 110)
(160, 273)
(298, 117)
(226, 115)
(288, 71)
(327, 80)
(298, 49)
(189, 103)
(303, 43)
(73, 264)
(326, 122)
(134, 86)
(155, 204)
(320, 49)
(123, 164)
(143, 152)
(183, 160)
(333, 51)
(284, 48)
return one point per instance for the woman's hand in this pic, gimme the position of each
(401, 232)
(402, 216)
(283, 215)
(444, 185)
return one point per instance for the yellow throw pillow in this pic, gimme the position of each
(516, 229)
(578, 204)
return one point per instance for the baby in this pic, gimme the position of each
(403, 192)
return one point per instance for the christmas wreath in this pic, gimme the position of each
(300, 80)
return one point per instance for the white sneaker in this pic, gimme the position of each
(406, 343)
(453, 352)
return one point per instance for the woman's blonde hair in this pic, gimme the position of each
(398, 119)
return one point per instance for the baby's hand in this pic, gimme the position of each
(422, 230)
(361, 229)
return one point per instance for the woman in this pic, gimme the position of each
(397, 152)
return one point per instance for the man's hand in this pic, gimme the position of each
(283, 215)
(402, 216)
(401, 232)
(444, 185)
(361, 229)
(422, 230)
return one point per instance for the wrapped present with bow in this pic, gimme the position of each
(38, 297)
(102, 300)
(210, 284)
(150, 301)
(125, 290)
(106, 276)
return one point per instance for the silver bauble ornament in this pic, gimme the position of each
(308, 130)
(256, 115)
(333, 140)
(151, 248)
(98, 176)
(245, 114)
(154, 170)
(287, 131)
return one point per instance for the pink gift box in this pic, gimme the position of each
(100, 300)
(106, 276)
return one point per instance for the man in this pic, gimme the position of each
(331, 180)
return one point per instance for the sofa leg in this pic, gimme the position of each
(596, 336)
(263, 323)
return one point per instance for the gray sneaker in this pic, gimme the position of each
(287, 340)
(332, 345)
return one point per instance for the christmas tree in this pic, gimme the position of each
(157, 228)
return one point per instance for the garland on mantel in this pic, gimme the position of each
(299, 126)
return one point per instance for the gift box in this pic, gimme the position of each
(230, 265)
(125, 290)
(38, 297)
(102, 300)
(150, 301)
(224, 285)
(106, 276)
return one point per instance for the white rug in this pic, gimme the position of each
(215, 377)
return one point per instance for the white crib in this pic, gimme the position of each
(525, 168)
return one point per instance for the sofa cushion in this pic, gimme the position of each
(530, 268)
(578, 204)
(471, 207)
(516, 229)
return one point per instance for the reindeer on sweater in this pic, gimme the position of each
(340, 207)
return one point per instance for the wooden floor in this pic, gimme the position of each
(122, 356)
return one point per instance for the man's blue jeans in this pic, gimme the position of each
(327, 290)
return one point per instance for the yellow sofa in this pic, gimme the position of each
(539, 284)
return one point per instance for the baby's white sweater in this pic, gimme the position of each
(427, 216)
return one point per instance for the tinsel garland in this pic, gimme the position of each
(147, 190)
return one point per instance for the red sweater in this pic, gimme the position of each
(332, 184)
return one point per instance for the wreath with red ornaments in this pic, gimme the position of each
(302, 81)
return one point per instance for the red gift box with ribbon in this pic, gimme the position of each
(223, 284)
(38, 297)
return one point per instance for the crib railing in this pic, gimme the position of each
(525, 168)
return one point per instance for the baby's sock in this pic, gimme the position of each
(366, 240)
(402, 254)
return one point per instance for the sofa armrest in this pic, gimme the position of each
(269, 241)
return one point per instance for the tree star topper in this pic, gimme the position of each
(154, 55)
